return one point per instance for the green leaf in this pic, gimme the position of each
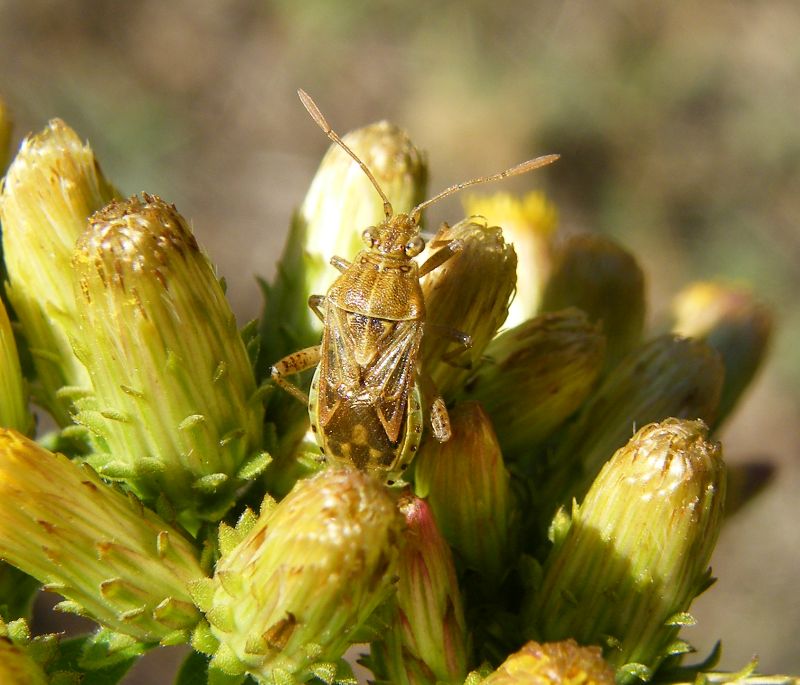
(194, 670)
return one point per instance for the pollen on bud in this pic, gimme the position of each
(535, 376)
(173, 410)
(115, 560)
(595, 274)
(468, 294)
(637, 550)
(553, 663)
(735, 324)
(308, 573)
(14, 411)
(425, 640)
(53, 185)
(667, 377)
(529, 224)
(468, 488)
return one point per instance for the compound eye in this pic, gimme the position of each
(414, 246)
(370, 236)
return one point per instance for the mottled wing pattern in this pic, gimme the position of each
(393, 373)
(337, 365)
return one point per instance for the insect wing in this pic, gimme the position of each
(393, 373)
(337, 364)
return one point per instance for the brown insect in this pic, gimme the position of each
(366, 404)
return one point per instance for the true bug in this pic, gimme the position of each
(365, 403)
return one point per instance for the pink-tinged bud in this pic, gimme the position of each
(468, 487)
(426, 640)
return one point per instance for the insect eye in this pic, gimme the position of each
(414, 246)
(370, 236)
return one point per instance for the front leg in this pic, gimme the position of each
(292, 364)
(340, 263)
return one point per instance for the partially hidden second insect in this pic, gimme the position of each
(366, 401)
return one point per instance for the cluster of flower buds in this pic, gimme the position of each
(184, 498)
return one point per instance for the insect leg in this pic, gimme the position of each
(441, 256)
(440, 420)
(315, 303)
(340, 263)
(464, 341)
(295, 363)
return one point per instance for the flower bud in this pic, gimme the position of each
(637, 549)
(593, 273)
(735, 324)
(287, 598)
(115, 561)
(426, 639)
(667, 377)
(529, 224)
(51, 188)
(535, 376)
(341, 202)
(174, 411)
(468, 294)
(553, 663)
(17, 667)
(468, 489)
(14, 411)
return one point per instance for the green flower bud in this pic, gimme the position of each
(17, 667)
(426, 639)
(14, 411)
(51, 188)
(636, 552)
(529, 224)
(735, 324)
(115, 561)
(468, 488)
(6, 126)
(535, 376)
(667, 377)
(595, 274)
(468, 294)
(553, 663)
(286, 600)
(340, 203)
(174, 410)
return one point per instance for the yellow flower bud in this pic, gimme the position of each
(114, 560)
(731, 320)
(529, 225)
(287, 599)
(14, 411)
(52, 187)
(636, 553)
(174, 411)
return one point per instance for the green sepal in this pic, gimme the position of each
(228, 538)
(209, 484)
(678, 648)
(683, 618)
(107, 648)
(251, 340)
(67, 606)
(221, 617)
(203, 639)
(254, 466)
(225, 660)
(247, 520)
(67, 667)
(202, 592)
(176, 637)
(632, 672)
(231, 582)
(112, 469)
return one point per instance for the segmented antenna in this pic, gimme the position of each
(317, 116)
(522, 168)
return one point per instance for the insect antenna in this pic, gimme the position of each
(318, 117)
(522, 168)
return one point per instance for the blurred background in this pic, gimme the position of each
(678, 124)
